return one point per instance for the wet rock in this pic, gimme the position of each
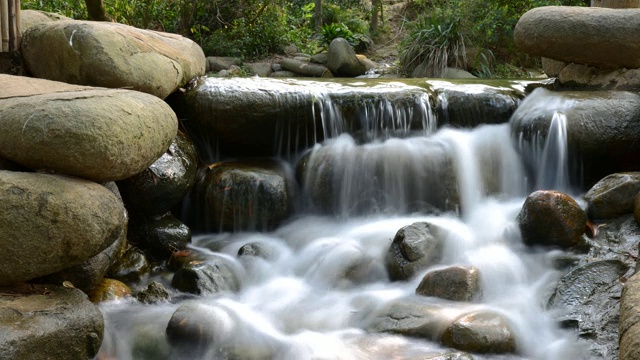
(613, 196)
(109, 289)
(217, 63)
(457, 283)
(98, 134)
(629, 325)
(580, 76)
(551, 218)
(342, 60)
(202, 278)
(155, 190)
(242, 195)
(411, 317)
(636, 208)
(39, 322)
(601, 130)
(132, 266)
(77, 218)
(154, 293)
(257, 249)
(194, 324)
(481, 331)
(112, 55)
(159, 237)
(90, 273)
(262, 69)
(414, 248)
(560, 33)
(447, 356)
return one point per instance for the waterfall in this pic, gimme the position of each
(322, 285)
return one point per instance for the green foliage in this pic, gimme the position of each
(433, 41)
(75, 9)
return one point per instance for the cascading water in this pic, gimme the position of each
(321, 284)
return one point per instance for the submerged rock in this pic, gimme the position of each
(551, 218)
(42, 322)
(154, 293)
(613, 196)
(414, 248)
(112, 55)
(202, 278)
(49, 223)
(98, 134)
(412, 317)
(457, 283)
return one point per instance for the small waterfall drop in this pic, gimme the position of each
(321, 282)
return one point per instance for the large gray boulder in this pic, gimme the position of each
(342, 59)
(613, 196)
(112, 55)
(98, 134)
(49, 223)
(42, 322)
(606, 38)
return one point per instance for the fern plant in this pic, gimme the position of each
(433, 43)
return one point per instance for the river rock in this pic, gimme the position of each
(202, 278)
(77, 218)
(551, 218)
(457, 283)
(411, 316)
(629, 324)
(482, 331)
(217, 63)
(613, 196)
(29, 18)
(112, 55)
(154, 293)
(109, 289)
(90, 273)
(98, 134)
(132, 266)
(602, 129)
(342, 60)
(155, 190)
(42, 322)
(414, 248)
(159, 237)
(586, 77)
(242, 195)
(606, 38)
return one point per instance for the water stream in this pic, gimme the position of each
(305, 300)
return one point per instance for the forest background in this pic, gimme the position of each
(438, 30)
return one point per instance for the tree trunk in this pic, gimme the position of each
(376, 9)
(317, 17)
(96, 11)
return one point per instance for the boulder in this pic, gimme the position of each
(132, 266)
(601, 37)
(112, 55)
(205, 278)
(552, 67)
(457, 283)
(342, 60)
(629, 323)
(242, 195)
(217, 63)
(49, 223)
(154, 293)
(98, 134)
(613, 196)
(414, 248)
(602, 130)
(411, 317)
(42, 322)
(109, 289)
(586, 77)
(481, 331)
(159, 237)
(163, 184)
(29, 18)
(551, 218)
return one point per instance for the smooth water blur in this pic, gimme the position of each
(323, 279)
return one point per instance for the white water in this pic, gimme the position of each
(317, 293)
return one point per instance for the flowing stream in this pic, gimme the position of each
(305, 300)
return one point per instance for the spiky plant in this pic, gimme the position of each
(433, 42)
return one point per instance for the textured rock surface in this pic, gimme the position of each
(42, 322)
(342, 59)
(613, 196)
(49, 223)
(456, 283)
(629, 325)
(112, 55)
(98, 134)
(480, 332)
(607, 38)
(414, 248)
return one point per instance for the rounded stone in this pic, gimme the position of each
(481, 331)
(414, 248)
(613, 196)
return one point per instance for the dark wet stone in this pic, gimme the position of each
(551, 218)
(154, 293)
(256, 249)
(613, 196)
(410, 316)
(132, 266)
(109, 289)
(202, 278)
(159, 237)
(155, 190)
(42, 322)
(414, 248)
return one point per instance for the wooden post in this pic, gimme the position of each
(4, 23)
